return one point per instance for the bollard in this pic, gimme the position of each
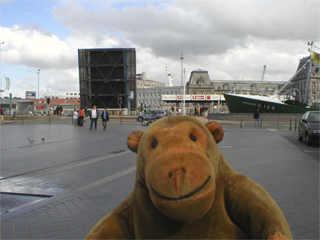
(290, 128)
(278, 124)
(49, 119)
(241, 124)
(260, 123)
(295, 125)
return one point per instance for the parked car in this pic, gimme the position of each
(158, 112)
(148, 119)
(309, 127)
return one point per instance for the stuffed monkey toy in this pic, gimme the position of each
(185, 189)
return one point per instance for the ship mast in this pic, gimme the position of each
(309, 72)
(305, 100)
(289, 81)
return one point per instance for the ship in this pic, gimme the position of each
(294, 100)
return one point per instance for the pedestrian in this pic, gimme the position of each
(105, 119)
(75, 117)
(1, 112)
(256, 117)
(196, 111)
(30, 111)
(81, 117)
(94, 114)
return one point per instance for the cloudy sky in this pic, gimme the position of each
(232, 39)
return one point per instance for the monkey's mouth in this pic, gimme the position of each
(184, 196)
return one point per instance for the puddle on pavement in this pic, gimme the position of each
(10, 202)
(22, 191)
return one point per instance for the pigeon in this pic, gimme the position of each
(31, 140)
(42, 139)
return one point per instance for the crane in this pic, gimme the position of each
(170, 77)
(263, 72)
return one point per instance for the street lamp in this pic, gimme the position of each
(184, 91)
(38, 85)
(0, 68)
(182, 84)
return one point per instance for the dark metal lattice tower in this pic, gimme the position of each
(106, 75)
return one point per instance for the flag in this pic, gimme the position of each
(7, 83)
(316, 57)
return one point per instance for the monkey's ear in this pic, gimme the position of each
(216, 130)
(134, 140)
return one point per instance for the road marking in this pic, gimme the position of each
(273, 130)
(101, 181)
(72, 164)
(309, 151)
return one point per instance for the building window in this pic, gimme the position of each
(313, 85)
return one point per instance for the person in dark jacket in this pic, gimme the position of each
(256, 117)
(105, 119)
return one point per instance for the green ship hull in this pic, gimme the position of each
(249, 104)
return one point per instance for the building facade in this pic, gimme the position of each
(306, 84)
(199, 85)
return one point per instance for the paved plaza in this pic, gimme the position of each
(62, 181)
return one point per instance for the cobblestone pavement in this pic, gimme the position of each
(60, 187)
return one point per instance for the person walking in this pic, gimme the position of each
(30, 113)
(105, 119)
(75, 117)
(196, 111)
(81, 117)
(94, 117)
(256, 117)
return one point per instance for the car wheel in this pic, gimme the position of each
(308, 140)
(145, 122)
(140, 119)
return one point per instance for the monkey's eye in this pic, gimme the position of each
(154, 143)
(193, 137)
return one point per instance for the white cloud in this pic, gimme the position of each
(231, 39)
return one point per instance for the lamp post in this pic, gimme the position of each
(181, 58)
(38, 86)
(184, 92)
(0, 68)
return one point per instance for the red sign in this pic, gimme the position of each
(198, 97)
